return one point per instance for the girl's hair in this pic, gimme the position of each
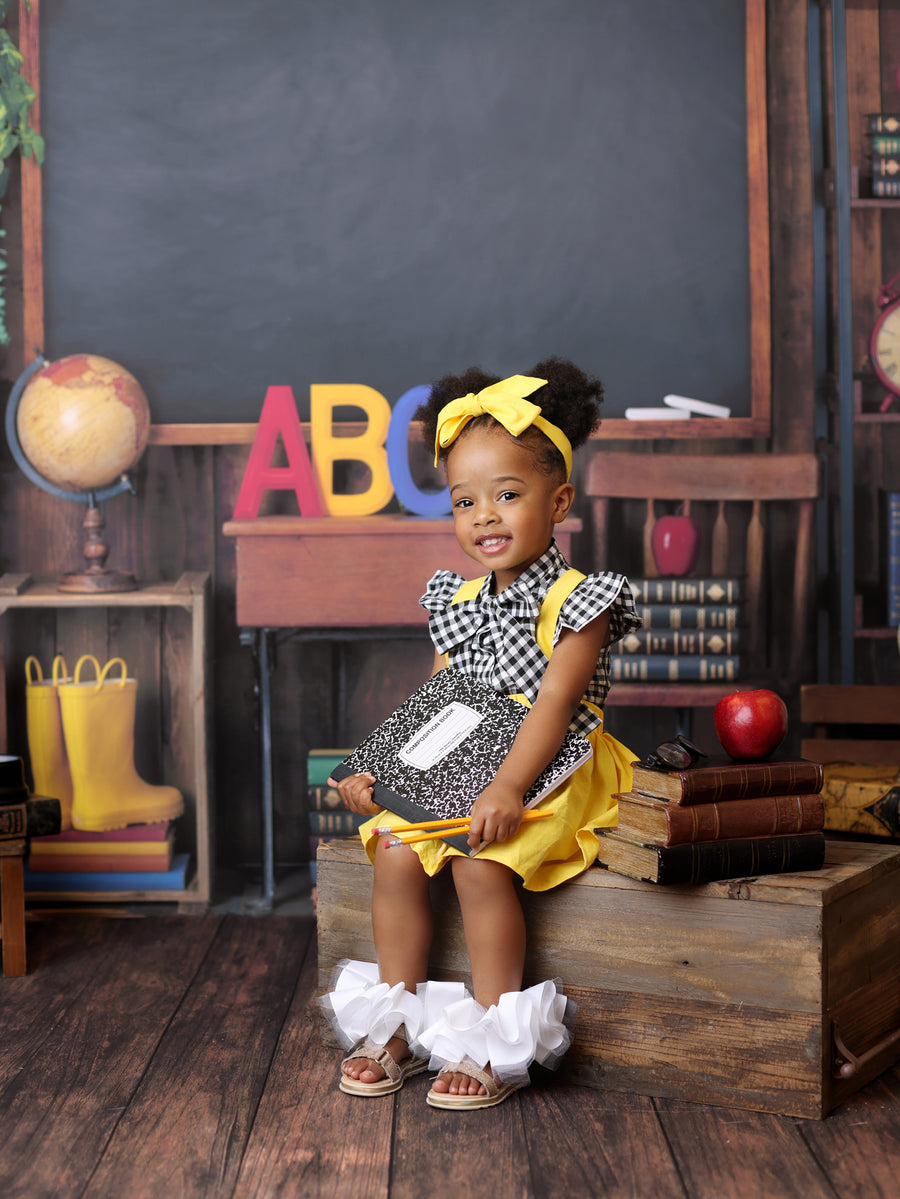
(570, 399)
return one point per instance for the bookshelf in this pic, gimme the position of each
(863, 39)
(160, 630)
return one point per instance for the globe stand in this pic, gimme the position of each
(95, 579)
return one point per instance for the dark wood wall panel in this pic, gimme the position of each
(185, 493)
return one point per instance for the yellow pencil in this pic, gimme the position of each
(435, 835)
(408, 826)
(423, 824)
(448, 828)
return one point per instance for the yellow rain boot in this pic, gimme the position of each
(98, 723)
(46, 745)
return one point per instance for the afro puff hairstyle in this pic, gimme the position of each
(570, 399)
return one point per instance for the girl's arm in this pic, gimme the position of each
(498, 810)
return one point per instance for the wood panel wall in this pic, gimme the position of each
(185, 493)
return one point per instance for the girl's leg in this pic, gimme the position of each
(494, 926)
(402, 925)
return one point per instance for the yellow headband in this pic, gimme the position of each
(506, 403)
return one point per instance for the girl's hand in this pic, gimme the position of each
(356, 793)
(496, 814)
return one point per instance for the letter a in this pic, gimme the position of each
(278, 417)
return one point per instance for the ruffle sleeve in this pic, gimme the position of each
(442, 586)
(596, 594)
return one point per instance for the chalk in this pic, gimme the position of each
(656, 414)
(700, 407)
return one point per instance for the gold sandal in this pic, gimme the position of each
(396, 1073)
(496, 1091)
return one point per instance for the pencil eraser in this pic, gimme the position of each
(700, 407)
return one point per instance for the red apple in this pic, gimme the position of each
(751, 724)
(675, 541)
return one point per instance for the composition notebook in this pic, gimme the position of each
(437, 752)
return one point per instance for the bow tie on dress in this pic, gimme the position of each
(468, 617)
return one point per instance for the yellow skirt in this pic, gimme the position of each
(547, 852)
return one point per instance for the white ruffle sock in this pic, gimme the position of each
(523, 1027)
(361, 1006)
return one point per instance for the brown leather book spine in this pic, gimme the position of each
(765, 816)
(711, 784)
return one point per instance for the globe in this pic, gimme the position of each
(83, 421)
(75, 427)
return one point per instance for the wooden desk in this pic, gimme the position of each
(335, 577)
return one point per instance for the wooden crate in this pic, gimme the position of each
(160, 631)
(738, 993)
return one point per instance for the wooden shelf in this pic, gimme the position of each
(858, 201)
(878, 634)
(160, 631)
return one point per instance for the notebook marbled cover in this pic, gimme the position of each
(439, 720)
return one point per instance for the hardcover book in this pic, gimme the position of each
(689, 616)
(694, 668)
(708, 861)
(720, 778)
(674, 642)
(322, 798)
(883, 122)
(662, 823)
(42, 863)
(32, 817)
(681, 590)
(886, 166)
(102, 849)
(320, 763)
(440, 748)
(338, 823)
(173, 879)
(885, 144)
(157, 831)
(885, 189)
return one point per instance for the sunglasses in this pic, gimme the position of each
(679, 754)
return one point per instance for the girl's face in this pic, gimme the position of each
(504, 507)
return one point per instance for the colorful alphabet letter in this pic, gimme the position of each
(368, 447)
(422, 503)
(278, 418)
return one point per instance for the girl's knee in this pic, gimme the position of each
(480, 878)
(398, 866)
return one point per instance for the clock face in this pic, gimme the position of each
(884, 347)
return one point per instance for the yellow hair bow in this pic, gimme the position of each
(506, 402)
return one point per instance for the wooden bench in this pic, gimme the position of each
(777, 994)
(734, 497)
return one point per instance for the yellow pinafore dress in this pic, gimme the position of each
(544, 853)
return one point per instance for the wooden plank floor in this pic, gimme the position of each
(181, 1056)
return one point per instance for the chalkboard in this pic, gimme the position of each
(380, 191)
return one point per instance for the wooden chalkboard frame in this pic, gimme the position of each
(758, 424)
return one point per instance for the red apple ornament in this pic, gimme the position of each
(675, 541)
(751, 724)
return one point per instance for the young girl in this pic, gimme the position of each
(536, 630)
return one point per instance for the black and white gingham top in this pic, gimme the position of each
(491, 637)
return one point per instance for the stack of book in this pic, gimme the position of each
(883, 129)
(691, 632)
(721, 819)
(327, 817)
(140, 857)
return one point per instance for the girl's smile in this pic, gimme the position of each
(504, 505)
